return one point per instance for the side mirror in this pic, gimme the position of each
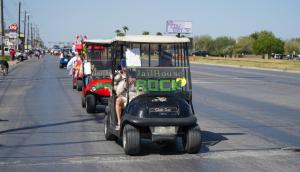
(87, 68)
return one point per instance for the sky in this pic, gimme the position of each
(62, 20)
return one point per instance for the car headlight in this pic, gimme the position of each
(94, 88)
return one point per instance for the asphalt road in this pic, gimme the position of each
(250, 121)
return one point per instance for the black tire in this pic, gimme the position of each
(79, 85)
(108, 135)
(192, 140)
(61, 66)
(90, 103)
(83, 103)
(131, 140)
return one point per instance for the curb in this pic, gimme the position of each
(248, 67)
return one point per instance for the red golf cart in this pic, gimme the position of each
(97, 76)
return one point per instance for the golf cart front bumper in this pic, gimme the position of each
(147, 127)
(145, 122)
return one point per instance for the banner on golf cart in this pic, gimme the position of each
(101, 68)
(102, 73)
(133, 58)
(156, 79)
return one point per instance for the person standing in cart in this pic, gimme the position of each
(121, 90)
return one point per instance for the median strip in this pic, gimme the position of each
(275, 64)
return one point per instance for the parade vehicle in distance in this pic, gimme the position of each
(63, 62)
(97, 74)
(21, 56)
(66, 56)
(56, 52)
(67, 52)
(159, 94)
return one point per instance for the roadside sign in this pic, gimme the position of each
(13, 35)
(179, 27)
(13, 27)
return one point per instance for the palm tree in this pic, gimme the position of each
(125, 29)
(119, 32)
(158, 33)
(146, 33)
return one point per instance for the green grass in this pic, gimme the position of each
(293, 65)
(6, 58)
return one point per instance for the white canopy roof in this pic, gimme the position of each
(99, 41)
(151, 39)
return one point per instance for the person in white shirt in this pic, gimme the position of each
(71, 63)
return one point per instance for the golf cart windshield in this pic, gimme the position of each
(156, 68)
(100, 58)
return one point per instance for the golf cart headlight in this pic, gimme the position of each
(94, 89)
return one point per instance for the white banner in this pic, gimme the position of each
(179, 26)
(133, 58)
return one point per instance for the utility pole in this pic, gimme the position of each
(24, 32)
(2, 28)
(28, 31)
(31, 36)
(37, 37)
(19, 26)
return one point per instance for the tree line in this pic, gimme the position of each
(258, 43)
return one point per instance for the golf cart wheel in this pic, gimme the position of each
(131, 140)
(79, 85)
(90, 103)
(83, 104)
(192, 140)
(60, 66)
(107, 133)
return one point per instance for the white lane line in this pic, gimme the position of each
(207, 75)
(210, 74)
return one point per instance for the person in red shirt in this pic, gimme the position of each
(12, 54)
